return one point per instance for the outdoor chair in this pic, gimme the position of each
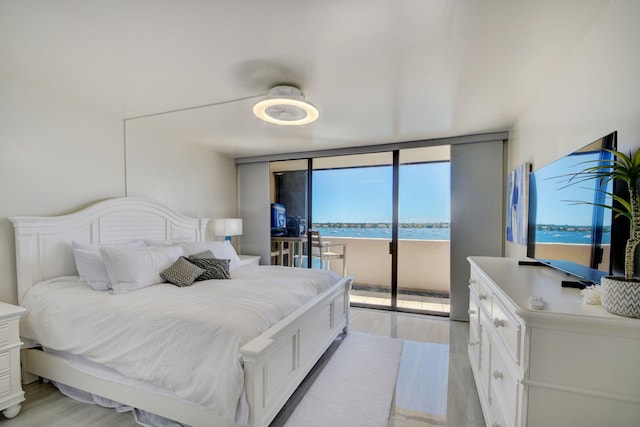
(327, 251)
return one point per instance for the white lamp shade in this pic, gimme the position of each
(228, 227)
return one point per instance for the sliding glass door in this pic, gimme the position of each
(424, 200)
(352, 209)
(381, 217)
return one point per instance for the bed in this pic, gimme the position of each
(273, 362)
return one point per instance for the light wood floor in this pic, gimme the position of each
(45, 406)
(435, 386)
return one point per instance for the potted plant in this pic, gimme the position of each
(620, 295)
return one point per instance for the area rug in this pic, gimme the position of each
(355, 388)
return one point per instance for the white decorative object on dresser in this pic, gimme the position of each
(249, 260)
(11, 394)
(568, 363)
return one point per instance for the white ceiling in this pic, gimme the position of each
(379, 71)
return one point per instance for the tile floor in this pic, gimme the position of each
(435, 385)
(426, 302)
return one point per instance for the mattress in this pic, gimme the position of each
(185, 340)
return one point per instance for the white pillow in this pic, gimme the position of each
(130, 269)
(220, 249)
(91, 269)
(225, 250)
(191, 248)
(89, 262)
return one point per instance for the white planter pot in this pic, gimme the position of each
(620, 296)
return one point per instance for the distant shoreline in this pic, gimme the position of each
(545, 233)
(570, 228)
(381, 225)
(413, 231)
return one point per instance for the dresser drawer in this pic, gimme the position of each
(508, 329)
(5, 384)
(4, 334)
(485, 352)
(474, 309)
(5, 361)
(474, 349)
(498, 415)
(482, 291)
(474, 281)
(504, 386)
(474, 344)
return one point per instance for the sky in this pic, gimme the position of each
(365, 194)
(555, 204)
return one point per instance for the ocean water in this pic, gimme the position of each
(572, 237)
(385, 233)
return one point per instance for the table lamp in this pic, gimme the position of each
(228, 227)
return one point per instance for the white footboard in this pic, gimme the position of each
(277, 361)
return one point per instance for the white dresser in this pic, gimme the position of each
(570, 364)
(11, 394)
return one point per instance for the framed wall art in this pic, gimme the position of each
(518, 204)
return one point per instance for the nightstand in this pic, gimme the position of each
(249, 260)
(11, 394)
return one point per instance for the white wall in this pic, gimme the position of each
(595, 92)
(186, 177)
(57, 156)
(48, 152)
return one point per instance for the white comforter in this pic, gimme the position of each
(185, 340)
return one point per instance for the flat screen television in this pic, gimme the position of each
(582, 239)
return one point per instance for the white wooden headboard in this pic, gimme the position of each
(43, 244)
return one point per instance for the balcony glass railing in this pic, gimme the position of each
(423, 272)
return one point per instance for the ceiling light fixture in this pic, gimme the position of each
(285, 105)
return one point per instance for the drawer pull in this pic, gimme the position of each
(472, 343)
(498, 322)
(471, 312)
(497, 375)
(482, 296)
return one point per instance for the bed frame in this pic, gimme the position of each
(275, 363)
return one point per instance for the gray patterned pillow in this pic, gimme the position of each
(182, 273)
(203, 254)
(214, 268)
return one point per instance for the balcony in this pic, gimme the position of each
(423, 272)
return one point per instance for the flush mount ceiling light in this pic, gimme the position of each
(285, 105)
